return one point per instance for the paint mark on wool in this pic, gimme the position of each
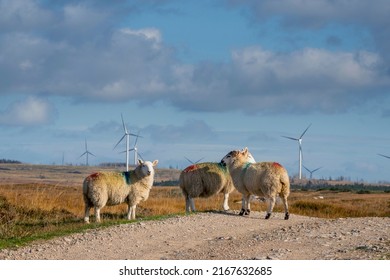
(222, 166)
(276, 164)
(246, 166)
(191, 168)
(126, 176)
(94, 175)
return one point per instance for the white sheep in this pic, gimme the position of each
(206, 179)
(267, 179)
(113, 188)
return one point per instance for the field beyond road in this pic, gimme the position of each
(41, 209)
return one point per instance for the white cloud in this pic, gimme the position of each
(152, 34)
(301, 81)
(125, 64)
(28, 112)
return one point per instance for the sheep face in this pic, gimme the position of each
(146, 168)
(237, 156)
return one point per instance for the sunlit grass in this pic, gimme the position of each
(38, 211)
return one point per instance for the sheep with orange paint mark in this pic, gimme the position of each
(205, 180)
(267, 179)
(113, 188)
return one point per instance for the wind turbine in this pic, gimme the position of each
(135, 149)
(127, 135)
(300, 149)
(384, 156)
(192, 161)
(311, 171)
(86, 153)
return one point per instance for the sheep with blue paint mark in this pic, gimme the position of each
(113, 188)
(265, 179)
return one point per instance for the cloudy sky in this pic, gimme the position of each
(197, 79)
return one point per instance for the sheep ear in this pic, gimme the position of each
(140, 162)
(155, 162)
(245, 151)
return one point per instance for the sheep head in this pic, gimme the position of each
(146, 168)
(237, 156)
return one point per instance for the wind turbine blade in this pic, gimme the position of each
(189, 160)
(307, 169)
(135, 135)
(138, 154)
(123, 124)
(136, 140)
(119, 141)
(91, 154)
(199, 160)
(384, 156)
(125, 151)
(305, 131)
(291, 138)
(83, 154)
(316, 169)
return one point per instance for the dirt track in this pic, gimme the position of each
(223, 236)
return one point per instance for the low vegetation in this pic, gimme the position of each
(53, 204)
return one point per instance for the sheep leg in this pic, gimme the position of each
(248, 206)
(286, 215)
(225, 201)
(187, 204)
(245, 205)
(192, 204)
(131, 212)
(271, 205)
(97, 214)
(86, 215)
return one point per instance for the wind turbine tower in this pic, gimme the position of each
(86, 153)
(135, 149)
(300, 149)
(127, 135)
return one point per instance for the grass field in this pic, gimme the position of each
(38, 204)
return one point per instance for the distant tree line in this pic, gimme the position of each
(342, 187)
(3, 160)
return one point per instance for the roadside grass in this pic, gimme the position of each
(39, 211)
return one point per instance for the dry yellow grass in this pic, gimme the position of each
(169, 200)
(45, 201)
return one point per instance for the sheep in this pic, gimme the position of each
(204, 180)
(113, 188)
(266, 179)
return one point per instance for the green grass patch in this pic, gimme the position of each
(20, 226)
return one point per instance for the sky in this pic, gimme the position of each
(197, 79)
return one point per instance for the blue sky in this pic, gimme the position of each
(197, 79)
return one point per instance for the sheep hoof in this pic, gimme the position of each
(247, 212)
(242, 212)
(267, 216)
(286, 216)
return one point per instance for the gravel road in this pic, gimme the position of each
(221, 236)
